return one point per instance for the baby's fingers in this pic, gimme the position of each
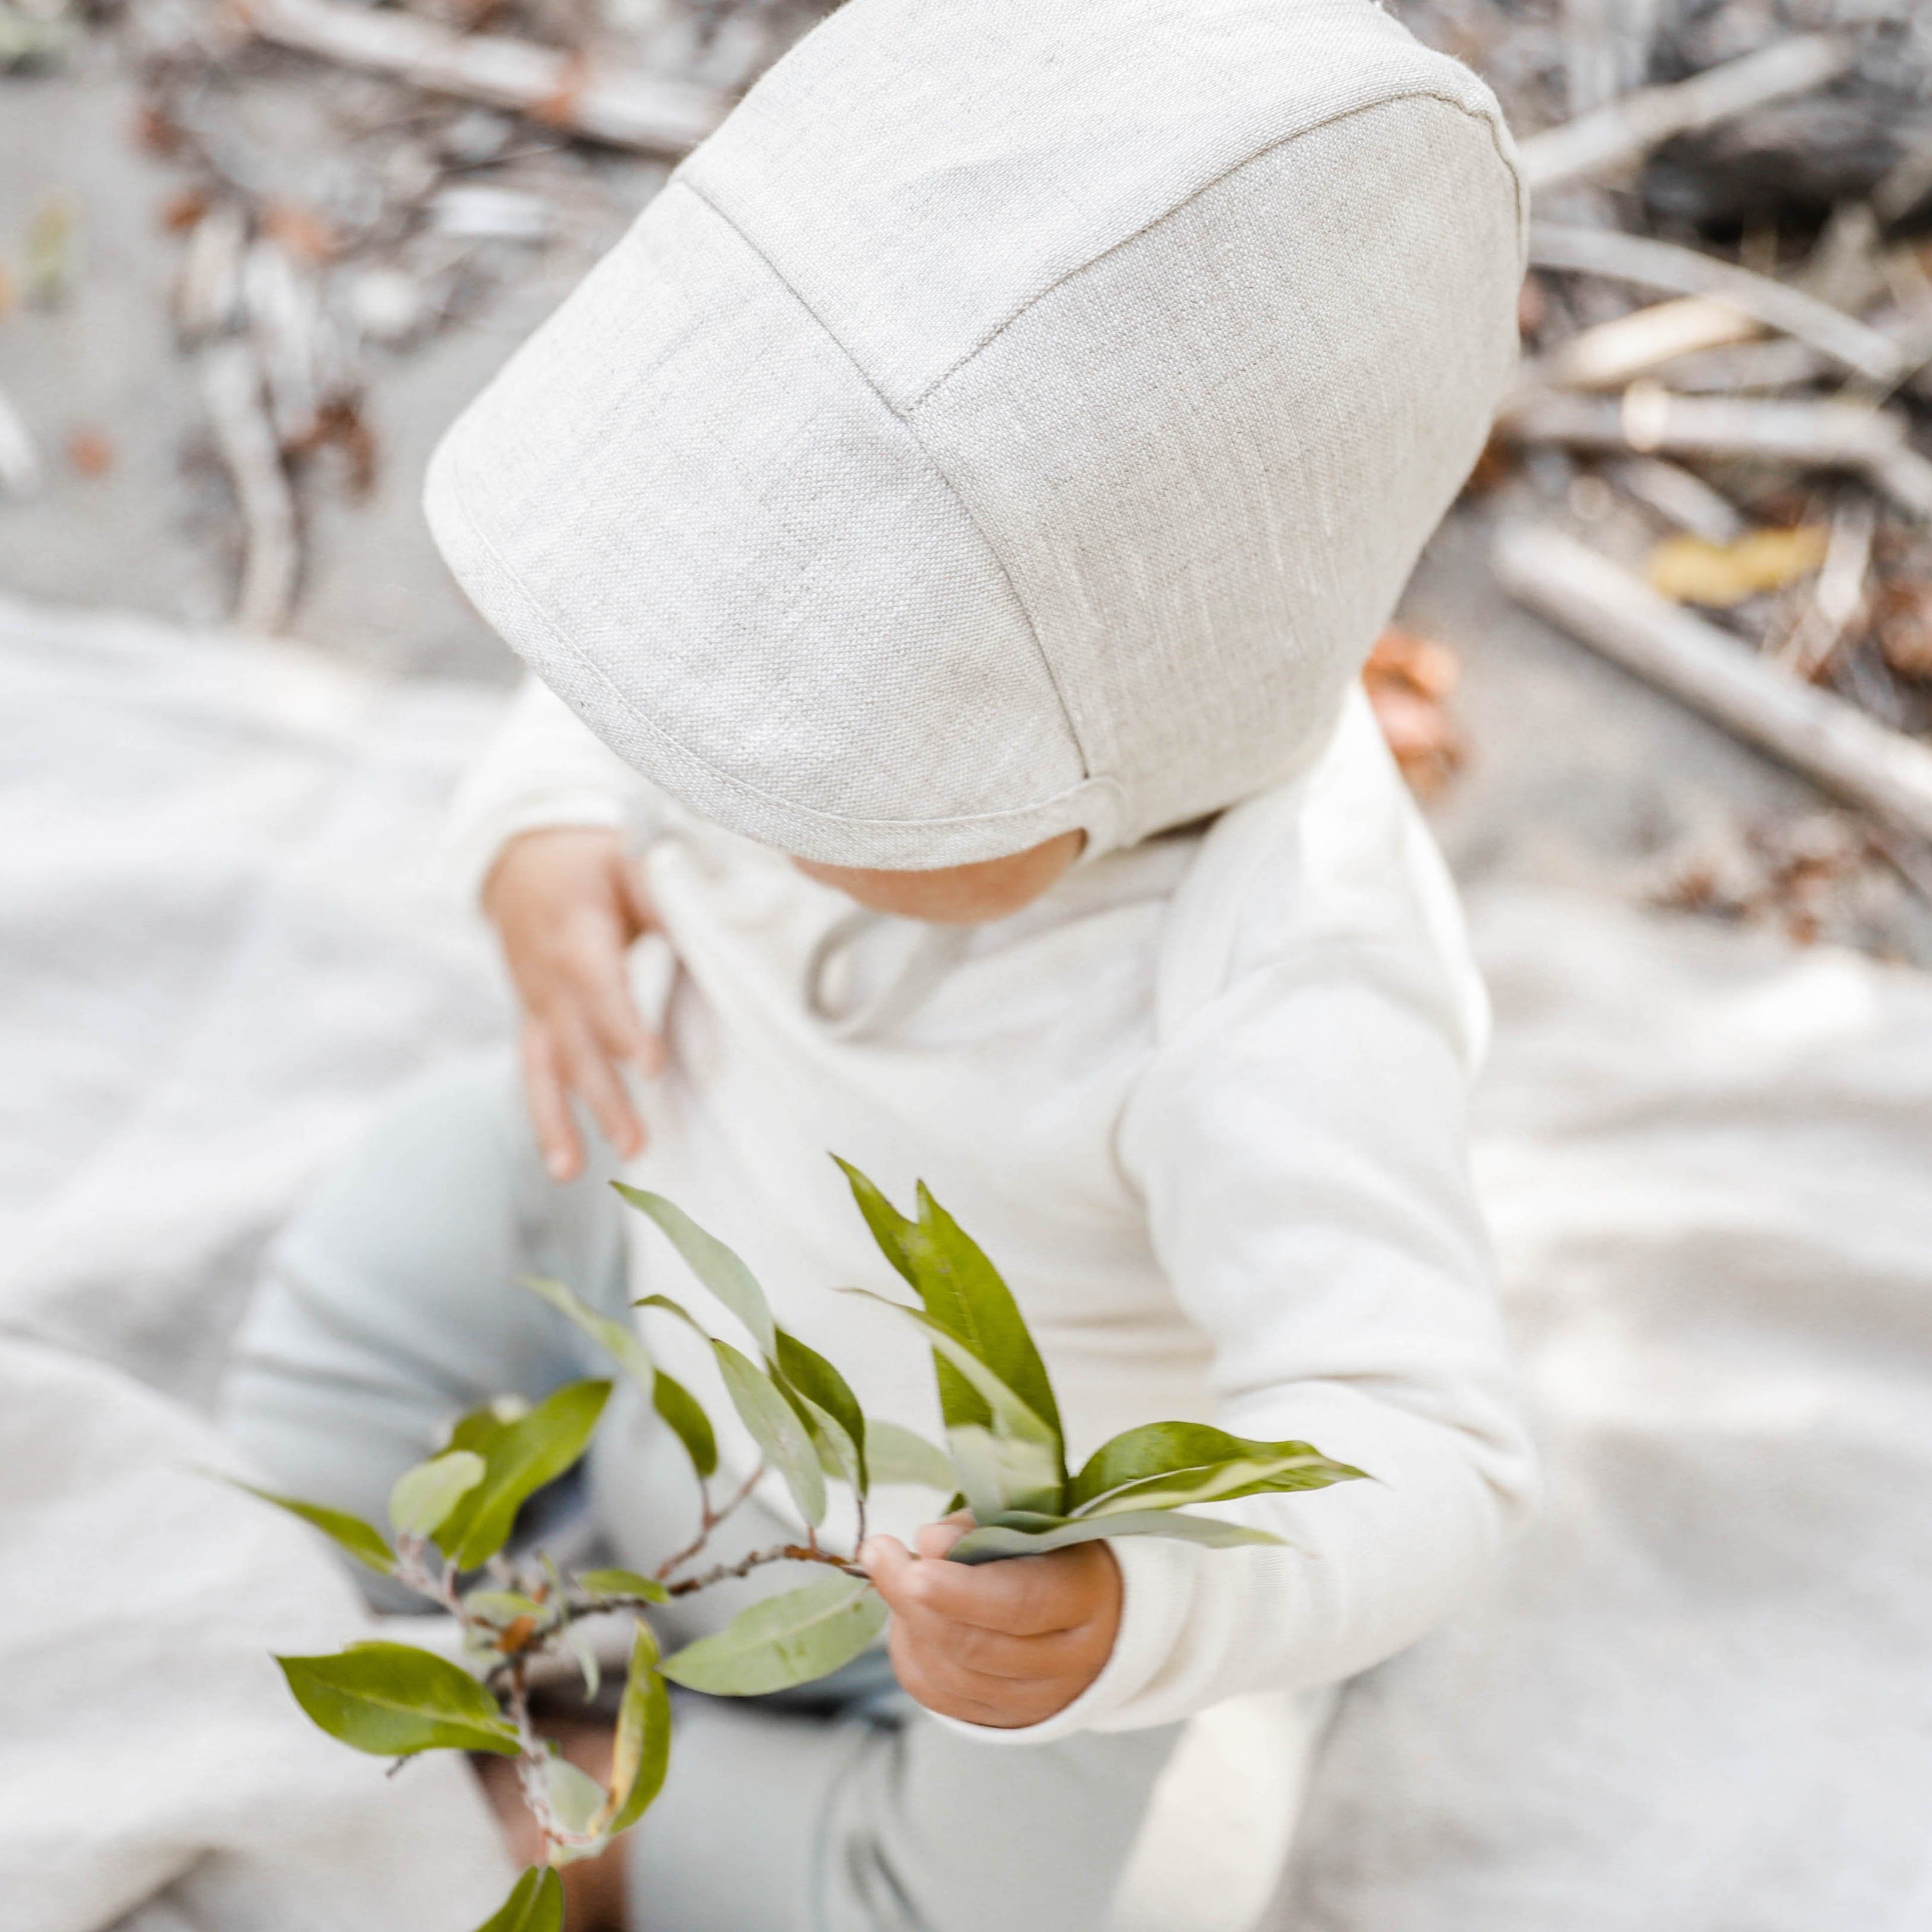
(549, 1103)
(598, 1084)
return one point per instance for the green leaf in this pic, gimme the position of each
(535, 1904)
(997, 1540)
(712, 1261)
(482, 1426)
(521, 1457)
(574, 1795)
(785, 1640)
(623, 1583)
(1014, 1465)
(963, 1292)
(392, 1700)
(806, 1372)
(424, 1495)
(500, 1608)
(998, 1474)
(896, 1455)
(581, 1647)
(776, 1429)
(643, 1748)
(1168, 1465)
(890, 1228)
(363, 1540)
(683, 1414)
(620, 1340)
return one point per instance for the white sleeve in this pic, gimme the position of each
(544, 767)
(1301, 1144)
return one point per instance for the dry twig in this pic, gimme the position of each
(638, 111)
(1662, 265)
(1818, 733)
(1820, 436)
(1625, 130)
(231, 382)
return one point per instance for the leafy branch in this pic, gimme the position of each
(451, 1520)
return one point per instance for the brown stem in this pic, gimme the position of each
(784, 1553)
(712, 1518)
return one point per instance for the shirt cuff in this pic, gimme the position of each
(475, 846)
(1158, 1575)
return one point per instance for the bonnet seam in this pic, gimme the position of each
(1491, 122)
(904, 419)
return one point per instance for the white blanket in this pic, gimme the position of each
(1697, 1701)
(1699, 1698)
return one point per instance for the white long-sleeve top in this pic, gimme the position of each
(1204, 1105)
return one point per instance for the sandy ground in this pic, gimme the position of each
(1578, 774)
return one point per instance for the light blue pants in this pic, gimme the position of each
(389, 1308)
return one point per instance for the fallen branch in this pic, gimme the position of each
(1626, 129)
(1651, 421)
(231, 383)
(1813, 730)
(626, 110)
(19, 461)
(1610, 355)
(1838, 595)
(1683, 271)
(1681, 496)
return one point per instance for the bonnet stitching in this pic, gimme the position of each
(514, 579)
(903, 418)
(1488, 120)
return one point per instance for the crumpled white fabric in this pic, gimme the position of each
(219, 957)
(1699, 1696)
(225, 939)
(151, 1757)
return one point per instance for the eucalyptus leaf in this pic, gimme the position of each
(618, 1340)
(642, 1752)
(899, 1455)
(362, 1540)
(500, 1607)
(805, 1633)
(964, 1293)
(807, 1372)
(1027, 1475)
(677, 1408)
(890, 1228)
(683, 1414)
(478, 1430)
(775, 1428)
(624, 1583)
(392, 1700)
(423, 1496)
(712, 1261)
(574, 1795)
(995, 1540)
(1166, 1464)
(519, 1460)
(585, 1651)
(535, 1904)
(998, 1474)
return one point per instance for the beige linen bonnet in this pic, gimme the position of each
(1021, 415)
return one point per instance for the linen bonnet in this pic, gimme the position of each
(1021, 415)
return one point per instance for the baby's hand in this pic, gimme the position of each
(567, 904)
(1005, 1644)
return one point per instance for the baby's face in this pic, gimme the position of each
(956, 895)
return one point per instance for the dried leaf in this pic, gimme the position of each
(1688, 570)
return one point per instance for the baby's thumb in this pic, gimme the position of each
(635, 896)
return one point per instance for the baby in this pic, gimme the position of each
(945, 532)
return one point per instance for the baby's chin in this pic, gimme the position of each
(989, 889)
